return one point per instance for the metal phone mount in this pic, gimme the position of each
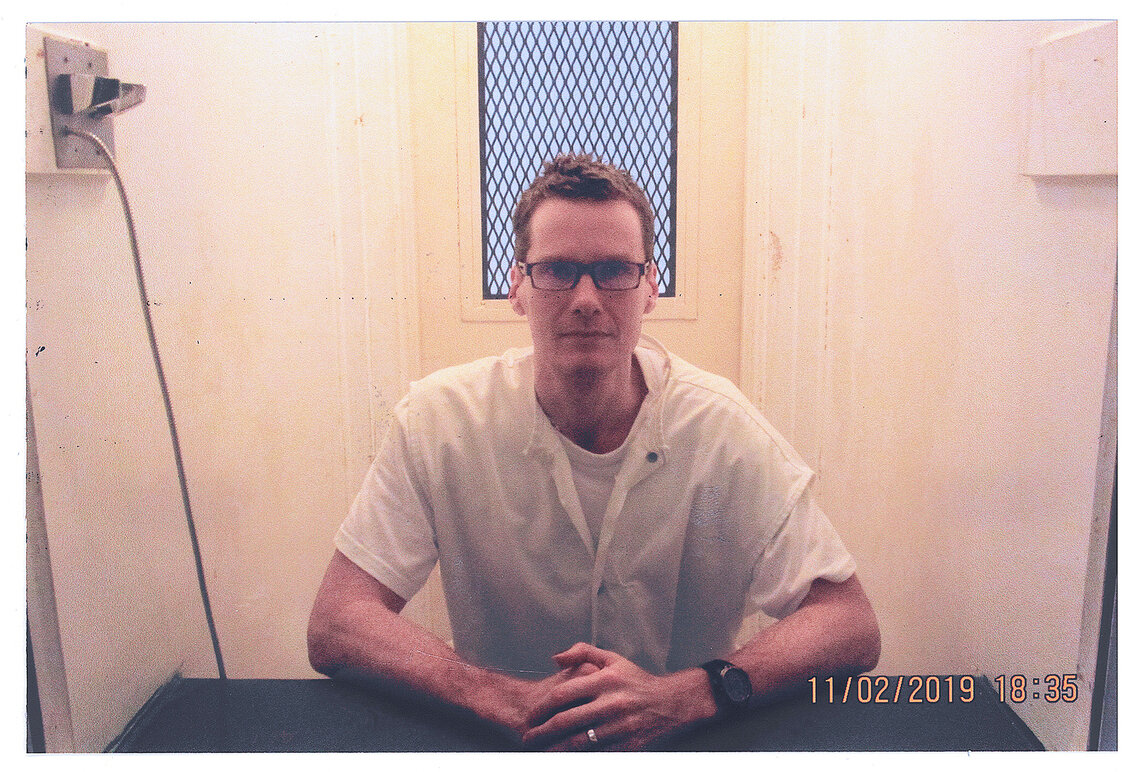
(81, 96)
(94, 96)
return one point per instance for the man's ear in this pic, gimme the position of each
(651, 277)
(517, 278)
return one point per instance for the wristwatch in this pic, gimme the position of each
(731, 686)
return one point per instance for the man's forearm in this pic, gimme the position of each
(833, 631)
(377, 641)
(355, 623)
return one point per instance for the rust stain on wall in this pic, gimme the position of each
(776, 251)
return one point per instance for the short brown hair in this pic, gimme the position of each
(578, 178)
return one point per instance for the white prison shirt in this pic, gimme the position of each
(710, 519)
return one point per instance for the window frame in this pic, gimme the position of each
(474, 308)
(508, 33)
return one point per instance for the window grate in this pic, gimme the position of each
(606, 88)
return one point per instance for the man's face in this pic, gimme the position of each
(584, 330)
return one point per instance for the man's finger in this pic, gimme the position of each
(612, 735)
(568, 694)
(582, 653)
(579, 741)
(563, 726)
(576, 671)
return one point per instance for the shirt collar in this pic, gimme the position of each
(543, 437)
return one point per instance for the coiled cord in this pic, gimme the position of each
(165, 392)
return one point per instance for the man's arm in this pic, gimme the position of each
(356, 623)
(833, 631)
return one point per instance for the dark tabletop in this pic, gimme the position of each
(262, 715)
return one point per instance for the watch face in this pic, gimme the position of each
(736, 684)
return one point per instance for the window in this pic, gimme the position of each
(606, 88)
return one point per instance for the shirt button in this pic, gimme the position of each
(651, 457)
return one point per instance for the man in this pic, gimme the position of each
(604, 514)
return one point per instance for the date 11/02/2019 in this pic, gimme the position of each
(932, 689)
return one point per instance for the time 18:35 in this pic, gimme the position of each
(1052, 688)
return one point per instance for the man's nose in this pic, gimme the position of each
(586, 297)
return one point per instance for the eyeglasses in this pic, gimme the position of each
(564, 274)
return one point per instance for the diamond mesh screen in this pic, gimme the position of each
(606, 88)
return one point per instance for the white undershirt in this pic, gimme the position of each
(594, 475)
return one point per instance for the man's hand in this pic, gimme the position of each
(515, 698)
(626, 707)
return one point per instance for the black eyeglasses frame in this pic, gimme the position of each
(581, 269)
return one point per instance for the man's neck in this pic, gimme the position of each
(594, 410)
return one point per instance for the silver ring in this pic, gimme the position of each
(592, 736)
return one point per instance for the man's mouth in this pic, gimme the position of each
(585, 334)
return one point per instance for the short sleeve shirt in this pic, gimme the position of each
(711, 519)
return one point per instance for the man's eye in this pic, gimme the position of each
(560, 271)
(611, 269)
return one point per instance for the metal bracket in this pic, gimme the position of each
(70, 58)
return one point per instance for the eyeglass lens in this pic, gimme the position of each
(606, 274)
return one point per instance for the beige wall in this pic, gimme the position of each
(265, 173)
(446, 195)
(931, 328)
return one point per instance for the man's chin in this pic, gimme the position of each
(585, 368)
(587, 359)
